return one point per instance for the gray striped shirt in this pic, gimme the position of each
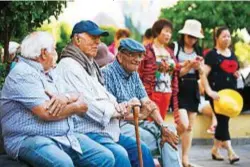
(100, 102)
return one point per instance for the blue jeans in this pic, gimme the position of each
(125, 150)
(42, 151)
(169, 156)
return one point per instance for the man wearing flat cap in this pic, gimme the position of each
(101, 123)
(122, 80)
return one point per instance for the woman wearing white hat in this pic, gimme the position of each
(188, 54)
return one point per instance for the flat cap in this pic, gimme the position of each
(131, 45)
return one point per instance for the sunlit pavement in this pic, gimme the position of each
(200, 156)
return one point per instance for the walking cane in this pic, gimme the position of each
(137, 135)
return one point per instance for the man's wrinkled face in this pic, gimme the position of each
(130, 60)
(49, 58)
(88, 44)
(55, 58)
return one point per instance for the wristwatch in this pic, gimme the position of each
(68, 97)
(163, 125)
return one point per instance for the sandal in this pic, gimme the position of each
(233, 158)
(216, 155)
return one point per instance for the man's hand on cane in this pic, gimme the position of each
(132, 103)
(128, 115)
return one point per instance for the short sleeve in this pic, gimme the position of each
(28, 90)
(140, 90)
(108, 81)
(236, 59)
(210, 58)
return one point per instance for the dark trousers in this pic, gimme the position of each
(222, 128)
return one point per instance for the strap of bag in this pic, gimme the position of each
(176, 49)
(247, 80)
(243, 79)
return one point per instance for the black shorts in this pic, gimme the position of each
(189, 96)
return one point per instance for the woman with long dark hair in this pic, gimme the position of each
(189, 56)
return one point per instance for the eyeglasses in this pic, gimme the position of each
(134, 55)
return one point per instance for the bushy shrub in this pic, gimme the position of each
(3, 73)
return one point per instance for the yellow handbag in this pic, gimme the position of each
(230, 103)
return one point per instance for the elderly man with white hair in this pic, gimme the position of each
(101, 123)
(37, 118)
(122, 80)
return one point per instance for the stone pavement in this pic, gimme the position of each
(200, 156)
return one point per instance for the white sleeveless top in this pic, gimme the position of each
(185, 56)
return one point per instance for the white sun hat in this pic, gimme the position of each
(192, 27)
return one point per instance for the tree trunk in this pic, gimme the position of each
(6, 46)
(6, 38)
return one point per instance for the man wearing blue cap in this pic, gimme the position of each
(101, 122)
(122, 80)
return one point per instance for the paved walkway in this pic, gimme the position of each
(200, 156)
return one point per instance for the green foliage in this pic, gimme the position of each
(136, 35)
(61, 32)
(1, 53)
(3, 73)
(50, 27)
(234, 14)
(18, 18)
(64, 31)
(109, 39)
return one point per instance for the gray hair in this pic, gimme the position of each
(33, 43)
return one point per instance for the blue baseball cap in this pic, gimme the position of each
(131, 45)
(88, 27)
